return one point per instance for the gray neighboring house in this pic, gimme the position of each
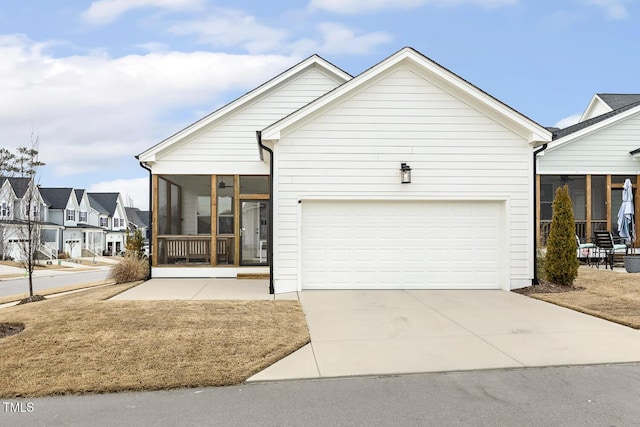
(109, 209)
(139, 220)
(89, 223)
(13, 218)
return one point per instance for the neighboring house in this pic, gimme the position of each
(110, 213)
(63, 210)
(90, 223)
(335, 203)
(594, 157)
(138, 220)
(93, 236)
(14, 203)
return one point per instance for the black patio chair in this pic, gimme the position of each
(607, 245)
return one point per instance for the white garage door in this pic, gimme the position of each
(402, 245)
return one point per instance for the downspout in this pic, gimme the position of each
(150, 218)
(534, 281)
(271, 201)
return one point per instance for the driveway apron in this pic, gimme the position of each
(357, 332)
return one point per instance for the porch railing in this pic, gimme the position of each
(49, 251)
(581, 229)
(184, 249)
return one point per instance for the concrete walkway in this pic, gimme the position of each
(397, 332)
(202, 289)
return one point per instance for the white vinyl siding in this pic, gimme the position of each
(354, 151)
(598, 108)
(605, 151)
(229, 145)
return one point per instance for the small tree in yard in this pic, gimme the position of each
(561, 263)
(135, 243)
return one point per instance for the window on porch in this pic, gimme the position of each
(211, 220)
(596, 200)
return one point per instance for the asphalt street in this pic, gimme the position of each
(602, 395)
(56, 280)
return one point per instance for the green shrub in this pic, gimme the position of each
(130, 269)
(561, 263)
(135, 243)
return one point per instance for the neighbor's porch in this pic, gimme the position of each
(210, 221)
(596, 200)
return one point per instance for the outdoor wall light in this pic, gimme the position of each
(405, 173)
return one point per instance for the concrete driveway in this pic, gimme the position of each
(394, 332)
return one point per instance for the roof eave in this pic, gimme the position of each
(534, 131)
(149, 156)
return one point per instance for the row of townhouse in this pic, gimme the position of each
(74, 222)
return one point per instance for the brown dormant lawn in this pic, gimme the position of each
(81, 343)
(611, 295)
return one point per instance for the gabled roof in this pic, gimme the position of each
(56, 198)
(535, 131)
(18, 184)
(595, 120)
(619, 100)
(312, 61)
(79, 194)
(104, 203)
(607, 102)
(137, 217)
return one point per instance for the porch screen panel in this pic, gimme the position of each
(175, 209)
(598, 203)
(163, 202)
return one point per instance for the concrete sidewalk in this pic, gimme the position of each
(11, 272)
(398, 332)
(202, 289)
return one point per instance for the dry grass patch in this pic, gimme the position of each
(611, 295)
(81, 343)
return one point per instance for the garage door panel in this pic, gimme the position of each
(417, 245)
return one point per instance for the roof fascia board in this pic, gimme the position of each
(149, 156)
(591, 129)
(537, 132)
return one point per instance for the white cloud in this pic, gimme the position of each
(226, 28)
(232, 28)
(615, 9)
(92, 111)
(137, 189)
(359, 6)
(568, 121)
(106, 11)
(338, 38)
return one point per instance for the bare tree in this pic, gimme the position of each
(7, 163)
(30, 231)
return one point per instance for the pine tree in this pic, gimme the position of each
(561, 264)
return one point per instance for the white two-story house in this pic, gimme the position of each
(21, 201)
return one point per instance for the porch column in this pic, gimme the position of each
(588, 197)
(214, 221)
(609, 202)
(537, 184)
(636, 204)
(154, 221)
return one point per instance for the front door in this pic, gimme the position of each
(254, 226)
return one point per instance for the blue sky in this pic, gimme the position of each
(101, 81)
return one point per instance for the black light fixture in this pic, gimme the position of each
(405, 173)
(221, 184)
